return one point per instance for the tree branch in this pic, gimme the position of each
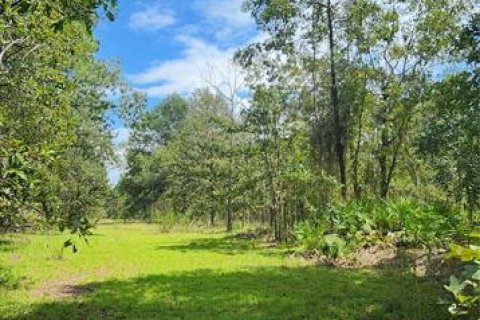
(8, 47)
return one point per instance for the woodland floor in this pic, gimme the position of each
(135, 271)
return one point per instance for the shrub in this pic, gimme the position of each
(332, 246)
(314, 238)
(349, 218)
(414, 224)
(401, 222)
(166, 220)
(308, 235)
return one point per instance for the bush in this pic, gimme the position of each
(406, 222)
(308, 235)
(367, 222)
(314, 238)
(166, 220)
(332, 246)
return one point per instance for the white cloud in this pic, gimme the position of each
(151, 19)
(186, 73)
(208, 44)
(228, 12)
(225, 18)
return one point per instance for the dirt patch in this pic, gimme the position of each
(57, 288)
(69, 287)
(14, 258)
(374, 256)
(388, 257)
(73, 290)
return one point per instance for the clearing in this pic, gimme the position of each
(135, 271)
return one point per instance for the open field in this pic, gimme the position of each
(136, 272)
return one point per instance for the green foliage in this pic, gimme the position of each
(279, 160)
(166, 220)
(333, 246)
(450, 138)
(7, 279)
(17, 187)
(468, 41)
(383, 52)
(464, 286)
(308, 235)
(55, 142)
(368, 222)
(315, 238)
(200, 163)
(145, 180)
(295, 151)
(159, 126)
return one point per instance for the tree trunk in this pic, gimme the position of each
(334, 92)
(382, 161)
(357, 189)
(212, 219)
(229, 215)
(356, 163)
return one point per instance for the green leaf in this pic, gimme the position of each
(476, 275)
(68, 243)
(456, 286)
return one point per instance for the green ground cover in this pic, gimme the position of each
(137, 272)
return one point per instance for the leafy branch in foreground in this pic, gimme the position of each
(465, 285)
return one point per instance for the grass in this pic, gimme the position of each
(136, 272)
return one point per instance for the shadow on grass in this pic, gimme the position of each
(7, 245)
(226, 245)
(262, 293)
(12, 242)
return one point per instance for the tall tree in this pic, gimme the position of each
(450, 132)
(144, 182)
(54, 139)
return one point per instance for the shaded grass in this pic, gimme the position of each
(226, 245)
(10, 242)
(148, 275)
(264, 293)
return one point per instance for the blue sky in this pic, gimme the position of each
(165, 46)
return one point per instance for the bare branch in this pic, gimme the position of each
(8, 47)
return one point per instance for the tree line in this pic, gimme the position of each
(347, 100)
(341, 101)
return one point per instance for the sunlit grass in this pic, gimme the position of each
(137, 272)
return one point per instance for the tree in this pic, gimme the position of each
(304, 26)
(390, 47)
(54, 139)
(450, 131)
(158, 126)
(198, 175)
(400, 56)
(228, 86)
(144, 182)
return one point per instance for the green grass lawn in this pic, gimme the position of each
(137, 272)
